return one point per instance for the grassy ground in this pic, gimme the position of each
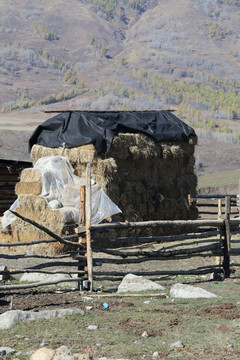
(209, 329)
(219, 179)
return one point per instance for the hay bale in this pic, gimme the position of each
(31, 175)
(31, 202)
(28, 187)
(147, 180)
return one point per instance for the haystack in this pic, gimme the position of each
(147, 180)
(147, 173)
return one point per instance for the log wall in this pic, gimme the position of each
(9, 175)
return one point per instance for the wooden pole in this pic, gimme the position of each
(218, 258)
(238, 200)
(226, 248)
(82, 222)
(88, 227)
(227, 207)
(82, 212)
(159, 223)
(227, 237)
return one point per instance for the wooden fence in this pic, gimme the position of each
(205, 238)
(218, 206)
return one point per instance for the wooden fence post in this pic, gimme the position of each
(82, 212)
(227, 238)
(227, 207)
(218, 258)
(238, 199)
(81, 222)
(88, 227)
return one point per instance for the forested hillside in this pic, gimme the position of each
(124, 54)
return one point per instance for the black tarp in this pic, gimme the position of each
(82, 127)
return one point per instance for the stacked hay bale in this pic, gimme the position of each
(32, 205)
(147, 180)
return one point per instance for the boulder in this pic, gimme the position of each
(189, 292)
(133, 283)
(11, 317)
(43, 354)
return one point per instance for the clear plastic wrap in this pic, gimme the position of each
(61, 189)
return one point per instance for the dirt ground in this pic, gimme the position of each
(209, 328)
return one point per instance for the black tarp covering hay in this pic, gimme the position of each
(99, 128)
(144, 161)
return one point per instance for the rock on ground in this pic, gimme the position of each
(177, 345)
(133, 283)
(62, 353)
(43, 354)
(6, 350)
(11, 317)
(189, 292)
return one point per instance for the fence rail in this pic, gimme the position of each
(205, 238)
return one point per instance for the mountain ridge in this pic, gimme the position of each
(127, 55)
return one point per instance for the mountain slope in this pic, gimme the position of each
(96, 54)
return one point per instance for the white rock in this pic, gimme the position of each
(38, 277)
(88, 308)
(6, 350)
(138, 342)
(189, 292)
(155, 354)
(11, 317)
(177, 345)
(92, 327)
(87, 298)
(133, 283)
(55, 204)
(147, 302)
(145, 334)
(63, 353)
(43, 344)
(43, 354)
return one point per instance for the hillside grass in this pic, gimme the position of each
(219, 179)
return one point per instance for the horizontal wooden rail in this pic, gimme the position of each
(161, 239)
(216, 196)
(48, 272)
(39, 284)
(162, 252)
(164, 223)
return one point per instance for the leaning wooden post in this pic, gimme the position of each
(88, 227)
(227, 238)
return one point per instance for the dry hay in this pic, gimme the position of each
(28, 187)
(147, 180)
(31, 175)
(137, 173)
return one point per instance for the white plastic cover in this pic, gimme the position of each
(59, 183)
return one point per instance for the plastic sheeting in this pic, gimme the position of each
(78, 128)
(61, 189)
